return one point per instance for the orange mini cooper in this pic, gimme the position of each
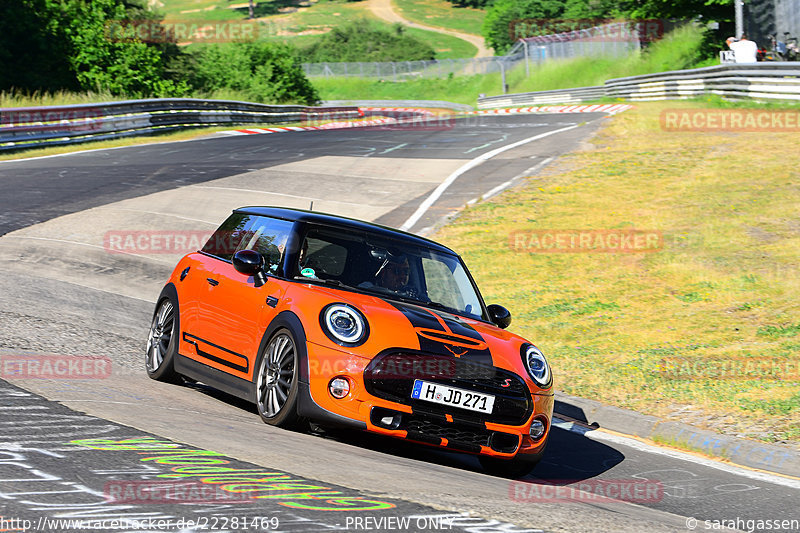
(343, 323)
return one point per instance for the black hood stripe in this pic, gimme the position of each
(471, 345)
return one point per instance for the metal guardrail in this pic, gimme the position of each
(54, 125)
(566, 96)
(759, 81)
(437, 104)
(767, 80)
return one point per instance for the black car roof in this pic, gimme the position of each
(301, 215)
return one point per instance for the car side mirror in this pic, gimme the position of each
(499, 315)
(250, 263)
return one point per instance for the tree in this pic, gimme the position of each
(363, 41)
(51, 45)
(500, 25)
(265, 71)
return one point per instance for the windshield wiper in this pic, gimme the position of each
(334, 282)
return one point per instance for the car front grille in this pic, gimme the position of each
(391, 377)
(431, 429)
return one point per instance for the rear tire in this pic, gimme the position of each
(162, 343)
(277, 381)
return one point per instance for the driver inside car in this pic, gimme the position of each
(393, 275)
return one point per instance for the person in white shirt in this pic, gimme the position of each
(744, 50)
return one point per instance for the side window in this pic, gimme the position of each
(268, 236)
(323, 256)
(249, 232)
(226, 240)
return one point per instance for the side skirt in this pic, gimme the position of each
(223, 381)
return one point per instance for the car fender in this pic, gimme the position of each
(306, 406)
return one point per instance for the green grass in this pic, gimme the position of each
(299, 28)
(443, 14)
(211, 10)
(17, 99)
(725, 286)
(446, 46)
(461, 90)
(678, 50)
(303, 25)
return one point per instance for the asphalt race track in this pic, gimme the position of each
(66, 290)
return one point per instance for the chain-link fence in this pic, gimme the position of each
(531, 51)
(400, 70)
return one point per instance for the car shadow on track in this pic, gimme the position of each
(569, 458)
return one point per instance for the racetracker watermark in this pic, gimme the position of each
(165, 241)
(164, 491)
(747, 120)
(401, 119)
(588, 490)
(54, 367)
(405, 366)
(555, 241)
(78, 118)
(596, 30)
(187, 31)
(732, 368)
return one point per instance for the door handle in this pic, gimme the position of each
(212, 282)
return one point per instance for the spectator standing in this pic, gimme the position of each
(744, 50)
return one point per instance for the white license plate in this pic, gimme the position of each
(442, 394)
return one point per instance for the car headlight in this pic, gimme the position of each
(344, 324)
(536, 364)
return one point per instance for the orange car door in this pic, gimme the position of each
(192, 287)
(235, 313)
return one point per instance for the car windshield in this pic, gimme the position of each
(388, 268)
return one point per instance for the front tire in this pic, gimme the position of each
(277, 381)
(162, 343)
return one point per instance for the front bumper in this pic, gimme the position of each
(380, 402)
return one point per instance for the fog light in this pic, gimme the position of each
(339, 387)
(537, 429)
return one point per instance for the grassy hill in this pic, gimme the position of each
(443, 14)
(301, 22)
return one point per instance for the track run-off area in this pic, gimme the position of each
(88, 240)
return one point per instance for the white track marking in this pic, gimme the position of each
(268, 192)
(78, 243)
(600, 435)
(526, 172)
(161, 213)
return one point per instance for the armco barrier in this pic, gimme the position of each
(440, 104)
(566, 96)
(766, 80)
(52, 125)
(758, 81)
